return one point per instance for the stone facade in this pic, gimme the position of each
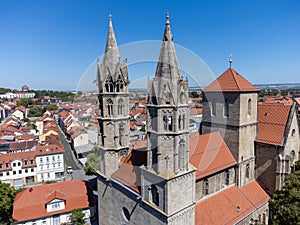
(234, 114)
(112, 81)
(274, 162)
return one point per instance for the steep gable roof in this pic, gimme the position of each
(272, 121)
(230, 81)
(209, 154)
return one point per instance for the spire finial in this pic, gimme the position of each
(167, 18)
(230, 59)
(110, 17)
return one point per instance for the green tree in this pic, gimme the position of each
(286, 203)
(77, 217)
(7, 196)
(25, 102)
(35, 112)
(51, 107)
(92, 162)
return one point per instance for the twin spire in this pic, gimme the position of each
(167, 66)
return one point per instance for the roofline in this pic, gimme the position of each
(288, 124)
(241, 91)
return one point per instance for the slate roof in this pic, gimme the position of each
(230, 81)
(272, 121)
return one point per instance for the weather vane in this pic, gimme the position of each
(230, 59)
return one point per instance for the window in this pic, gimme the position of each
(32, 169)
(58, 157)
(249, 107)
(48, 174)
(1, 174)
(19, 163)
(14, 172)
(7, 165)
(247, 171)
(0, 165)
(53, 158)
(31, 161)
(181, 155)
(121, 134)
(26, 162)
(120, 107)
(42, 176)
(126, 214)
(20, 171)
(227, 177)
(226, 108)
(109, 103)
(7, 173)
(179, 122)
(26, 170)
(293, 132)
(205, 187)
(41, 160)
(55, 206)
(47, 159)
(167, 123)
(14, 164)
(155, 195)
(213, 107)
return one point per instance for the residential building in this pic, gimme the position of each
(53, 203)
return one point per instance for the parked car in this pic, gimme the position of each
(69, 170)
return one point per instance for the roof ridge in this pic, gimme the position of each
(234, 77)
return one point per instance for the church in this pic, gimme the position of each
(177, 176)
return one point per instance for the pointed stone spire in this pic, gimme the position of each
(167, 65)
(111, 55)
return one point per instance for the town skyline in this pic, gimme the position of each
(57, 41)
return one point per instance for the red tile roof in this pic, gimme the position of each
(272, 121)
(230, 205)
(209, 154)
(22, 145)
(129, 171)
(30, 203)
(230, 81)
(49, 149)
(23, 156)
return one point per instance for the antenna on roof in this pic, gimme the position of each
(230, 59)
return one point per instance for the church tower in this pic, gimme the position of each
(113, 96)
(168, 169)
(230, 106)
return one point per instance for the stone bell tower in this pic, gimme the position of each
(113, 96)
(168, 168)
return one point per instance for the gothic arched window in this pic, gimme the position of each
(181, 154)
(121, 134)
(119, 84)
(109, 85)
(120, 107)
(247, 171)
(179, 122)
(109, 103)
(249, 107)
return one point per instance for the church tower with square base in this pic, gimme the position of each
(168, 168)
(113, 97)
(230, 106)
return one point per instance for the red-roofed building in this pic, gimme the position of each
(277, 143)
(177, 177)
(53, 203)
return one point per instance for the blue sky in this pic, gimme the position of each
(49, 44)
